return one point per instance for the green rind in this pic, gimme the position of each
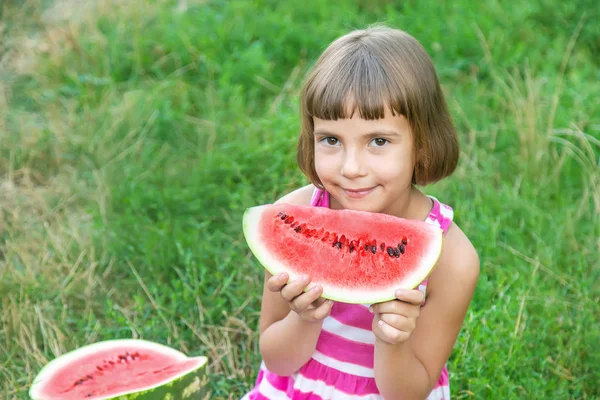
(250, 233)
(192, 384)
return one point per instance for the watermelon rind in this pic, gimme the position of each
(188, 384)
(251, 221)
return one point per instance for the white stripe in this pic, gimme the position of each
(329, 392)
(346, 367)
(433, 222)
(439, 393)
(360, 335)
(446, 211)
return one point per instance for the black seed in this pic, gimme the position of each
(404, 242)
(396, 253)
(337, 244)
(90, 377)
(351, 249)
(373, 249)
(401, 248)
(390, 251)
(366, 247)
(298, 229)
(283, 216)
(79, 382)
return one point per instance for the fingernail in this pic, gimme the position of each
(400, 292)
(330, 302)
(371, 309)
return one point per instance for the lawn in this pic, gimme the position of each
(133, 135)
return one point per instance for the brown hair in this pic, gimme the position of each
(370, 70)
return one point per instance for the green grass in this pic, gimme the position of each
(132, 140)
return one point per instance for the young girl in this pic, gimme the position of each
(374, 125)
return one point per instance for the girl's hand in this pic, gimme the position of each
(308, 305)
(395, 320)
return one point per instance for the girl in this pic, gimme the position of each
(374, 125)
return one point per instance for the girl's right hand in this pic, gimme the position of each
(308, 305)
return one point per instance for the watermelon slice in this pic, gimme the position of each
(356, 256)
(121, 369)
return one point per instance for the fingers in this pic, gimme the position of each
(390, 333)
(414, 296)
(320, 312)
(305, 300)
(277, 282)
(398, 322)
(294, 288)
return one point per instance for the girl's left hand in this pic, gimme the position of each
(395, 320)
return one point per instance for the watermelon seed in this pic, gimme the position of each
(298, 229)
(404, 241)
(289, 220)
(351, 248)
(382, 246)
(366, 247)
(373, 249)
(337, 244)
(283, 216)
(396, 253)
(401, 248)
(390, 251)
(99, 368)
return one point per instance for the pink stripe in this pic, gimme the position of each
(444, 379)
(352, 314)
(279, 382)
(315, 196)
(445, 224)
(341, 349)
(435, 211)
(342, 381)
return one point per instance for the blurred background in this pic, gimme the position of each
(133, 134)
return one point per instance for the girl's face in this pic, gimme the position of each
(366, 165)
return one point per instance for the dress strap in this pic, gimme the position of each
(320, 198)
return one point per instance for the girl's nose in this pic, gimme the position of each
(352, 167)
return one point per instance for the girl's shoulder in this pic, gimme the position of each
(301, 196)
(459, 262)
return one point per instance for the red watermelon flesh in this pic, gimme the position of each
(113, 369)
(357, 257)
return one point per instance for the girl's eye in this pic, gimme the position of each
(378, 142)
(331, 141)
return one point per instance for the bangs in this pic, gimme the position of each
(354, 82)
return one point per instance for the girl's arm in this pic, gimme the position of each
(410, 368)
(289, 330)
(290, 321)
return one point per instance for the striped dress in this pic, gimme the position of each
(342, 365)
